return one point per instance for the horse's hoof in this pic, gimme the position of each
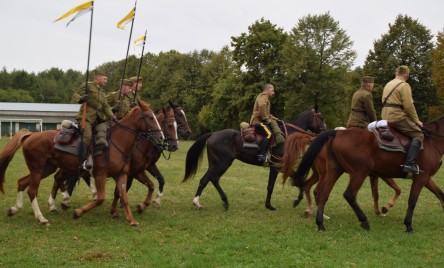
(384, 210)
(409, 229)
(134, 224)
(54, 209)
(64, 206)
(365, 225)
(12, 211)
(325, 217)
(156, 203)
(76, 214)
(198, 205)
(308, 214)
(225, 206)
(140, 208)
(270, 207)
(321, 228)
(44, 222)
(296, 202)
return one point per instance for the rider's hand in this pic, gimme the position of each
(83, 99)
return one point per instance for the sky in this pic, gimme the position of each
(32, 41)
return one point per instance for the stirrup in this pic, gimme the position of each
(87, 166)
(414, 169)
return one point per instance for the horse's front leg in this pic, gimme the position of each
(271, 181)
(100, 180)
(418, 183)
(144, 179)
(121, 186)
(116, 199)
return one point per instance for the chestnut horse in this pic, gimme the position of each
(356, 152)
(226, 145)
(172, 121)
(294, 153)
(43, 159)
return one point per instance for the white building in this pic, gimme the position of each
(34, 116)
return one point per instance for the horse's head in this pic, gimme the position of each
(183, 129)
(146, 122)
(169, 128)
(310, 120)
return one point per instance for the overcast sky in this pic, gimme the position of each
(31, 41)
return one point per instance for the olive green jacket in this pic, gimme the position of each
(402, 95)
(261, 110)
(362, 110)
(98, 109)
(124, 102)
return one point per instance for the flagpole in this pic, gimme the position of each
(85, 104)
(127, 51)
(140, 68)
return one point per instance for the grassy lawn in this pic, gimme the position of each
(176, 234)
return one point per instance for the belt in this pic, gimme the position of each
(399, 106)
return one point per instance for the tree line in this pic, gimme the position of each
(312, 63)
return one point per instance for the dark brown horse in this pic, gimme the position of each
(43, 159)
(356, 152)
(226, 145)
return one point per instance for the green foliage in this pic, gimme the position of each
(15, 95)
(318, 56)
(438, 76)
(409, 43)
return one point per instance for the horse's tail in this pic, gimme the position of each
(295, 146)
(298, 178)
(194, 156)
(8, 152)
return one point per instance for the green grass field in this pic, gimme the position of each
(176, 234)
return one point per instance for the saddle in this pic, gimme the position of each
(250, 138)
(388, 137)
(69, 138)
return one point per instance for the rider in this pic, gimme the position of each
(400, 112)
(362, 110)
(121, 100)
(97, 112)
(261, 120)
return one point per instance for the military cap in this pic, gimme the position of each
(100, 72)
(127, 82)
(134, 79)
(368, 79)
(403, 69)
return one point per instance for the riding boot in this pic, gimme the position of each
(410, 159)
(261, 156)
(85, 162)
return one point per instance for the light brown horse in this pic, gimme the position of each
(172, 121)
(43, 159)
(355, 151)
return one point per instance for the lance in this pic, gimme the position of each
(85, 104)
(140, 68)
(127, 52)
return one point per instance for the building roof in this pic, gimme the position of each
(43, 107)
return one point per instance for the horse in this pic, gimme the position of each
(226, 145)
(295, 152)
(43, 159)
(356, 152)
(172, 121)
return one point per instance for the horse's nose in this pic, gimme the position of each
(173, 147)
(186, 134)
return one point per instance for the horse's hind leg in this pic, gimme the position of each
(270, 187)
(431, 185)
(156, 173)
(22, 184)
(202, 184)
(145, 180)
(375, 194)
(221, 192)
(391, 182)
(307, 188)
(356, 181)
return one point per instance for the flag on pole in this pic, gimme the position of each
(139, 41)
(81, 10)
(123, 22)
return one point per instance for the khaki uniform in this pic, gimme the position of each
(98, 110)
(363, 111)
(261, 110)
(124, 102)
(399, 109)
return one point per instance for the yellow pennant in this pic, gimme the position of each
(81, 9)
(139, 41)
(123, 22)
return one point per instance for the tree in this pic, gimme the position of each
(438, 75)
(258, 55)
(409, 43)
(317, 56)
